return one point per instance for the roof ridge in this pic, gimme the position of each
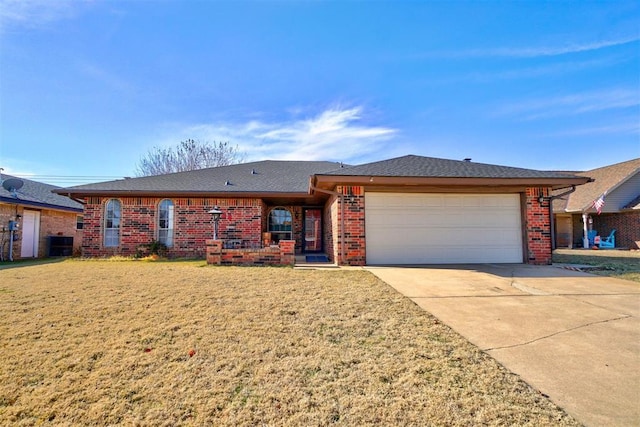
(615, 165)
(415, 165)
(5, 175)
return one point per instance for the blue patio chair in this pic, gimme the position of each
(609, 242)
(591, 235)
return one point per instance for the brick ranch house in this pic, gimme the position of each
(48, 223)
(406, 210)
(621, 211)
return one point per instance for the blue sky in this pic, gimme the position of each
(89, 87)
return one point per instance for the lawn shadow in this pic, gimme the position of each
(5, 265)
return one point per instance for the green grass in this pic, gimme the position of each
(611, 263)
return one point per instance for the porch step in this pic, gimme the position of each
(314, 261)
(316, 258)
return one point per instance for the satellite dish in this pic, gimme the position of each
(12, 184)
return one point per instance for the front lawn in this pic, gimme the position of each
(182, 343)
(612, 263)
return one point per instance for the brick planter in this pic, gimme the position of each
(283, 254)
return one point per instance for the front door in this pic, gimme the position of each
(313, 230)
(30, 234)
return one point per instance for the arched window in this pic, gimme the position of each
(112, 223)
(165, 222)
(280, 224)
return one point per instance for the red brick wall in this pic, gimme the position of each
(330, 229)
(298, 227)
(626, 224)
(354, 233)
(58, 223)
(7, 213)
(284, 254)
(241, 220)
(92, 232)
(537, 226)
(52, 223)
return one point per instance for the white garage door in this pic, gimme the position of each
(408, 228)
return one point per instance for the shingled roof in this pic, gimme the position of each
(269, 176)
(419, 166)
(37, 194)
(419, 170)
(605, 179)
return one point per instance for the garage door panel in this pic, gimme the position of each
(442, 228)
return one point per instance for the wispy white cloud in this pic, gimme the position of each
(530, 52)
(105, 77)
(574, 104)
(544, 70)
(334, 134)
(631, 127)
(535, 51)
(34, 13)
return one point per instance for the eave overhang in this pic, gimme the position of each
(328, 182)
(35, 204)
(276, 197)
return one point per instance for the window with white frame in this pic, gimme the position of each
(165, 222)
(112, 223)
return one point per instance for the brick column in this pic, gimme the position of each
(214, 251)
(538, 226)
(287, 252)
(354, 232)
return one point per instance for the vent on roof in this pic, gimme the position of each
(253, 172)
(467, 159)
(227, 182)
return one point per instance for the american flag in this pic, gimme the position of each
(599, 203)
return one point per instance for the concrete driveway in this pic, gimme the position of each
(573, 336)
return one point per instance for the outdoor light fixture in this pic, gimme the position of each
(216, 213)
(540, 199)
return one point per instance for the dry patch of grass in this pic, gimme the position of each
(179, 343)
(612, 263)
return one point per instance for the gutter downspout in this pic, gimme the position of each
(551, 199)
(341, 213)
(11, 245)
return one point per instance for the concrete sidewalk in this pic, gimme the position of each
(572, 335)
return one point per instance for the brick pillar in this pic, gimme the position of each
(538, 226)
(287, 252)
(354, 236)
(214, 251)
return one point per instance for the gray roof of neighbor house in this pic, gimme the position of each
(269, 176)
(605, 179)
(37, 194)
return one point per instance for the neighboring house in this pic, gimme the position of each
(407, 210)
(47, 223)
(620, 185)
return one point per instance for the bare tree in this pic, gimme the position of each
(188, 155)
